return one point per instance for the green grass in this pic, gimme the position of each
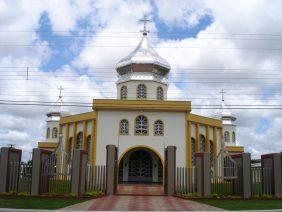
(240, 204)
(37, 202)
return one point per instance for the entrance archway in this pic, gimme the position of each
(140, 165)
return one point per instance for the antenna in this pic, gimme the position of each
(144, 20)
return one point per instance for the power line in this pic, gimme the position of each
(158, 47)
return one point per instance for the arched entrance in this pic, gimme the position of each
(140, 165)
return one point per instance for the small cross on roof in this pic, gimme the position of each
(145, 20)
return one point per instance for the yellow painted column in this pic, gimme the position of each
(93, 142)
(207, 144)
(84, 135)
(197, 145)
(214, 143)
(188, 144)
(74, 135)
(67, 144)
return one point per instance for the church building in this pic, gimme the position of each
(141, 122)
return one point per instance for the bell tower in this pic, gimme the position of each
(143, 74)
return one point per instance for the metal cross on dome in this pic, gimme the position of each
(145, 20)
(222, 92)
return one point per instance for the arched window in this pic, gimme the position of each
(226, 136)
(233, 137)
(211, 151)
(193, 151)
(160, 93)
(54, 132)
(141, 91)
(123, 92)
(48, 133)
(123, 127)
(69, 150)
(202, 143)
(141, 125)
(158, 128)
(79, 140)
(88, 147)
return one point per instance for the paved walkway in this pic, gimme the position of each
(140, 203)
(140, 189)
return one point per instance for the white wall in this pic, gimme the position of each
(108, 133)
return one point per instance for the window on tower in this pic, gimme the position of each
(141, 91)
(123, 127)
(160, 93)
(158, 128)
(233, 137)
(48, 133)
(123, 92)
(141, 125)
(226, 136)
(54, 132)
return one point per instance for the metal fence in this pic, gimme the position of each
(262, 183)
(95, 178)
(186, 183)
(25, 177)
(55, 176)
(226, 178)
(14, 169)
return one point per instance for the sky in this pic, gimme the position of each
(234, 45)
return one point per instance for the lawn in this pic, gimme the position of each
(240, 204)
(37, 202)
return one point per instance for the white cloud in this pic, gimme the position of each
(25, 125)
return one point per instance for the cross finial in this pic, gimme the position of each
(145, 20)
(222, 92)
(60, 89)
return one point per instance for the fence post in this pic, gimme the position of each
(8, 170)
(203, 168)
(170, 169)
(243, 161)
(273, 162)
(78, 175)
(38, 156)
(111, 169)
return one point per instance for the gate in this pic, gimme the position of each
(56, 174)
(226, 177)
(186, 181)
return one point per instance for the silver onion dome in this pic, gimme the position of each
(143, 59)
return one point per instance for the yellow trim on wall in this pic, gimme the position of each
(204, 120)
(144, 105)
(78, 117)
(235, 148)
(94, 138)
(188, 144)
(140, 146)
(47, 145)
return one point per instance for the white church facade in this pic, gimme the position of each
(141, 122)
